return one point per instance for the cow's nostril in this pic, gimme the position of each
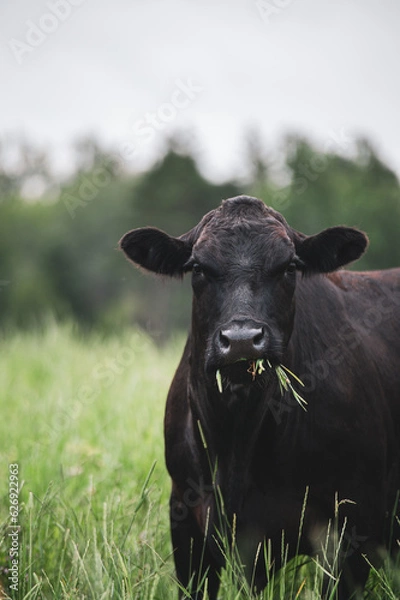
(224, 340)
(259, 338)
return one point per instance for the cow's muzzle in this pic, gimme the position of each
(239, 340)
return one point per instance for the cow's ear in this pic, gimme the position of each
(330, 249)
(156, 251)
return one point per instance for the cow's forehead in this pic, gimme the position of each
(244, 208)
(243, 227)
(237, 241)
(243, 212)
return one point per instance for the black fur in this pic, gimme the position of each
(340, 332)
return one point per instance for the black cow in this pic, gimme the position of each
(266, 295)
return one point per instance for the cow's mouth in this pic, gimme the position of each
(261, 371)
(244, 371)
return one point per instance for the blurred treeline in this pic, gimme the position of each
(59, 256)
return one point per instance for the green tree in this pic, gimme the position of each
(327, 189)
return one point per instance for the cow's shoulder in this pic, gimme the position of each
(367, 282)
(344, 290)
(347, 332)
(178, 425)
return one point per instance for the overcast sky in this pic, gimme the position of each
(132, 71)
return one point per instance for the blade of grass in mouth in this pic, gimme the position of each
(257, 367)
(219, 381)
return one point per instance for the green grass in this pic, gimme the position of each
(83, 419)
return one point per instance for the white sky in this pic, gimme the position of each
(329, 70)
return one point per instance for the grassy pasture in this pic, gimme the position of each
(82, 419)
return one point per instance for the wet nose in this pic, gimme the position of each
(241, 340)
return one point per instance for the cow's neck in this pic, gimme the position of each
(230, 424)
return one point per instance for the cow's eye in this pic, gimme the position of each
(204, 272)
(197, 269)
(291, 268)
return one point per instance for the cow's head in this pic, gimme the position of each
(244, 259)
